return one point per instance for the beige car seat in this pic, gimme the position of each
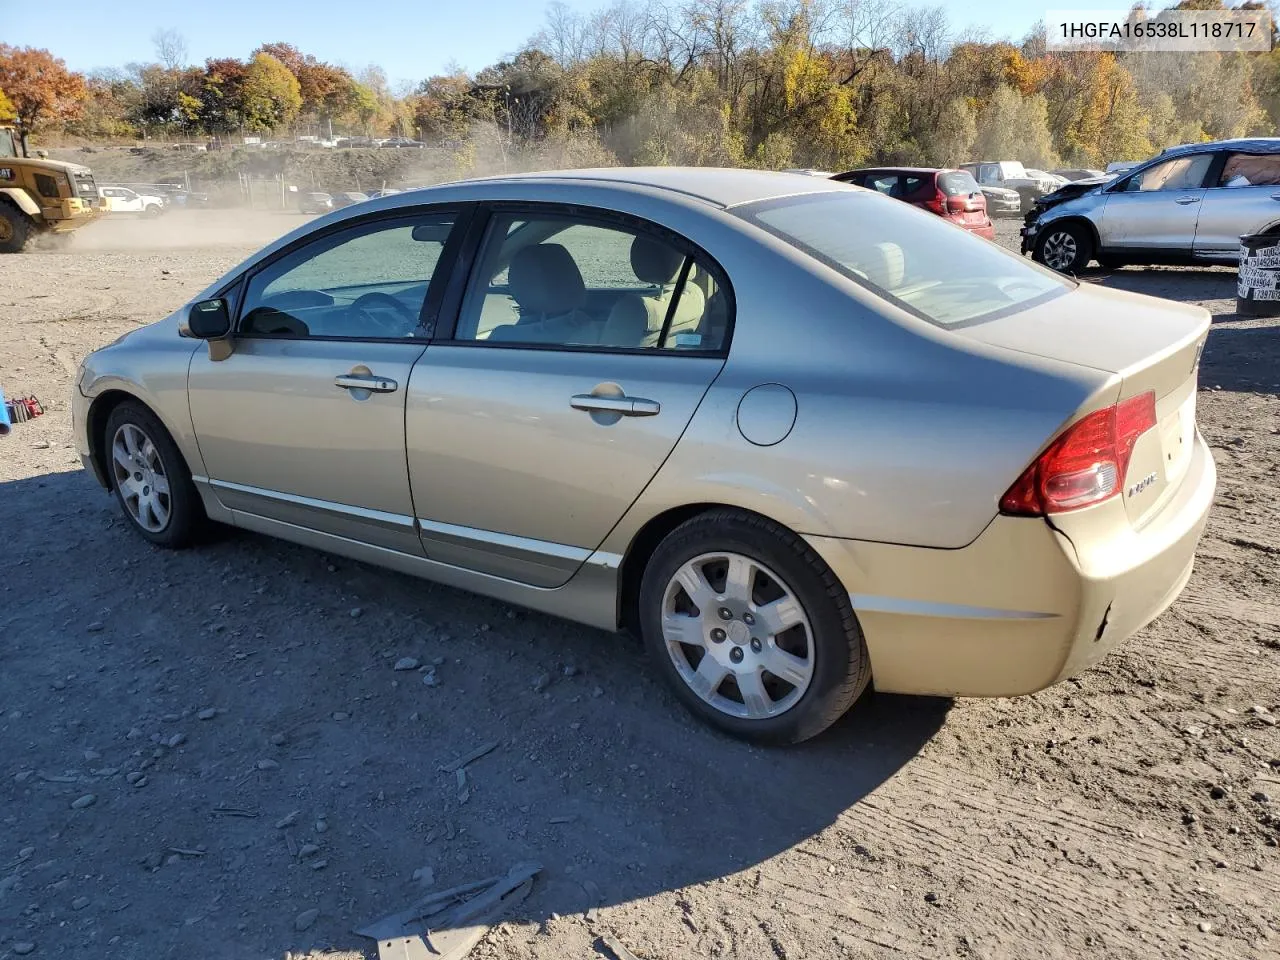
(547, 285)
(636, 319)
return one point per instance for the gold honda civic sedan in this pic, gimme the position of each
(795, 435)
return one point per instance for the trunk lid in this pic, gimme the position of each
(1150, 345)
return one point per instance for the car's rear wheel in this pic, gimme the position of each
(1067, 248)
(150, 477)
(751, 628)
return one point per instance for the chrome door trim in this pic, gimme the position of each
(359, 381)
(393, 521)
(543, 551)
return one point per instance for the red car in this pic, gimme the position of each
(952, 194)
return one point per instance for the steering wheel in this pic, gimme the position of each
(367, 308)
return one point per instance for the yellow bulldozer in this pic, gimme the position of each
(41, 196)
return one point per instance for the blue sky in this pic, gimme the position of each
(410, 39)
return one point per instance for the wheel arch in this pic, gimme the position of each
(21, 201)
(100, 409)
(1074, 219)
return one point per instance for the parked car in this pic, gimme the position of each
(125, 200)
(347, 199)
(402, 143)
(1079, 173)
(374, 194)
(1011, 175)
(794, 434)
(1190, 204)
(1121, 166)
(315, 203)
(1044, 176)
(951, 194)
(1001, 201)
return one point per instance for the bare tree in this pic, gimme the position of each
(171, 48)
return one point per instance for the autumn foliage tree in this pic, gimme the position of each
(39, 87)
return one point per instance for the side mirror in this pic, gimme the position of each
(207, 320)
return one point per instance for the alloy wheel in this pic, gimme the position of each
(737, 635)
(141, 478)
(1060, 250)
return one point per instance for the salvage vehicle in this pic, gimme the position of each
(1001, 201)
(951, 194)
(694, 405)
(315, 203)
(125, 200)
(348, 198)
(1189, 205)
(1078, 173)
(41, 196)
(1011, 175)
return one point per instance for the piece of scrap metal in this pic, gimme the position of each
(447, 924)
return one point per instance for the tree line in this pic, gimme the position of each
(771, 83)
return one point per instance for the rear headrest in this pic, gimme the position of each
(654, 262)
(544, 279)
(886, 265)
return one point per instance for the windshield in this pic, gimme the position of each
(8, 148)
(934, 270)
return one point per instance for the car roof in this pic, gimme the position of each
(721, 187)
(1243, 144)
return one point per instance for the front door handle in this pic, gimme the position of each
(1185, 200)
(361, 381)
(627, 406)
(1275, 196)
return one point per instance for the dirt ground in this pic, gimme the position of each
(263, 780)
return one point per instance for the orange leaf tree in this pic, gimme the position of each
(42, 90)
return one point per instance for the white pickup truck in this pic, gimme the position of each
(1011, 175)
(124, 200)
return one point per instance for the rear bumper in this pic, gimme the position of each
(986, 231)
(1025, 605)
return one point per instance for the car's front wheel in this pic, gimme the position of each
(150, 477)
(751, 628)
(1066, 247)
(151, 211)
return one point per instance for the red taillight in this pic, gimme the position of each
(957, 204)
(938, 204)
(1086, 464)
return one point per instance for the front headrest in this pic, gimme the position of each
(544, 279)
(654, 262)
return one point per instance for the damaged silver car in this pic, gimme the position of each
(1189, 205)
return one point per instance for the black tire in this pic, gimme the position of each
(186, 512)
(1066, 247)
(14, 228)
(151, 211)
(841, 667)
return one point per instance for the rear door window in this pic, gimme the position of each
(1250, 170)
(945, 276)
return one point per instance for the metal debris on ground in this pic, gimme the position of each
(447, 924)
(615, 947)
(475, 754)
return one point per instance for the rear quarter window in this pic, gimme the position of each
(936, 271)
(957, 183)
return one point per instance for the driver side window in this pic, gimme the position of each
(368, 282)
(1181, 173)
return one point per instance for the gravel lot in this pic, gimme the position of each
(210, 754)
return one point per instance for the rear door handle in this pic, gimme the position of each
(1275, 196)
(1185, 200)
(627, 406)
(359, 381)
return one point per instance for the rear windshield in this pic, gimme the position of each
(957, 183)
(937, 271)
